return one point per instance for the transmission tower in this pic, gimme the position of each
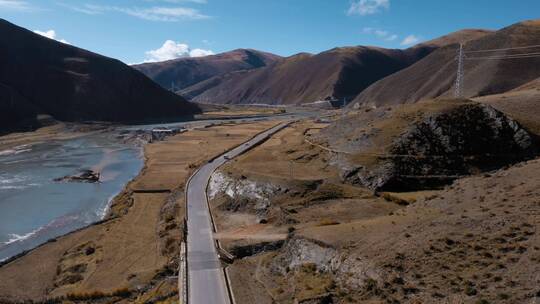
(460, 73)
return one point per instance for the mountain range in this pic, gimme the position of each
(183, 72)
(335, 75)
(43, 76)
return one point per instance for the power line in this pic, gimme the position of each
(514, 56)
(501, 58)
(462, 56)
(504, 49)
(511, 55)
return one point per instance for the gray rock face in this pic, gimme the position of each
(242, 194)
(300, 251)
(469, 139)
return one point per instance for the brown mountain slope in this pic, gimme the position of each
(40, 75)
(303, 78)
(185, 72)
(456, 37)
(340, 73)
(435, 75)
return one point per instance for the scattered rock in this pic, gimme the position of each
(85, 176)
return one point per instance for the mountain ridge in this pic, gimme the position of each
(335, 74)
(43, 76)
(434, 76)
(184, 72)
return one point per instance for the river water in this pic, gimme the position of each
(34, 208)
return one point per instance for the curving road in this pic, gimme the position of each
(206, 279)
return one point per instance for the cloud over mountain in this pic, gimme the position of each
(173, 50)
(51, 34)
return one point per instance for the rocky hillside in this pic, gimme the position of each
(337, 74)
(184, 72)
(42, 76)
(426, 145)
(485, 72)
(302, 236)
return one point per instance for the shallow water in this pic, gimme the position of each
(34, 208)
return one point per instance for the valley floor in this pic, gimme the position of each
(132, 257)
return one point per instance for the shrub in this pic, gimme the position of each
(328, 222)
(122, 292)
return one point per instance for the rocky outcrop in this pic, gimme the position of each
(241, 194)
(468, 139)
(349, 271)
(300, 251)
(85, 176)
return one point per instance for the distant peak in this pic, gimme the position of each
(460, 36)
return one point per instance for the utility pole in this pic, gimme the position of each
(460, 73)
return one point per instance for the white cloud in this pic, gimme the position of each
(165, 14)
(367, 7)
(200, 53)
(391, 37)
(168, 14)
(51, 34)
(410, 40)
(16, 5)
(173, 50)
(381, 34)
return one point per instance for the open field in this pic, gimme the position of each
(136, 249)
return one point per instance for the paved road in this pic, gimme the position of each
(206, 280)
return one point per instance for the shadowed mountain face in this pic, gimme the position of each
(42, 76)
(435, 75)
(185, 72)
(337, 74)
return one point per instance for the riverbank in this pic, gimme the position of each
(57, 131)
(132, 255)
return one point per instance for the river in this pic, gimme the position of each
(34, 208)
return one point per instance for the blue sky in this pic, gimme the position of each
(150, 30)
